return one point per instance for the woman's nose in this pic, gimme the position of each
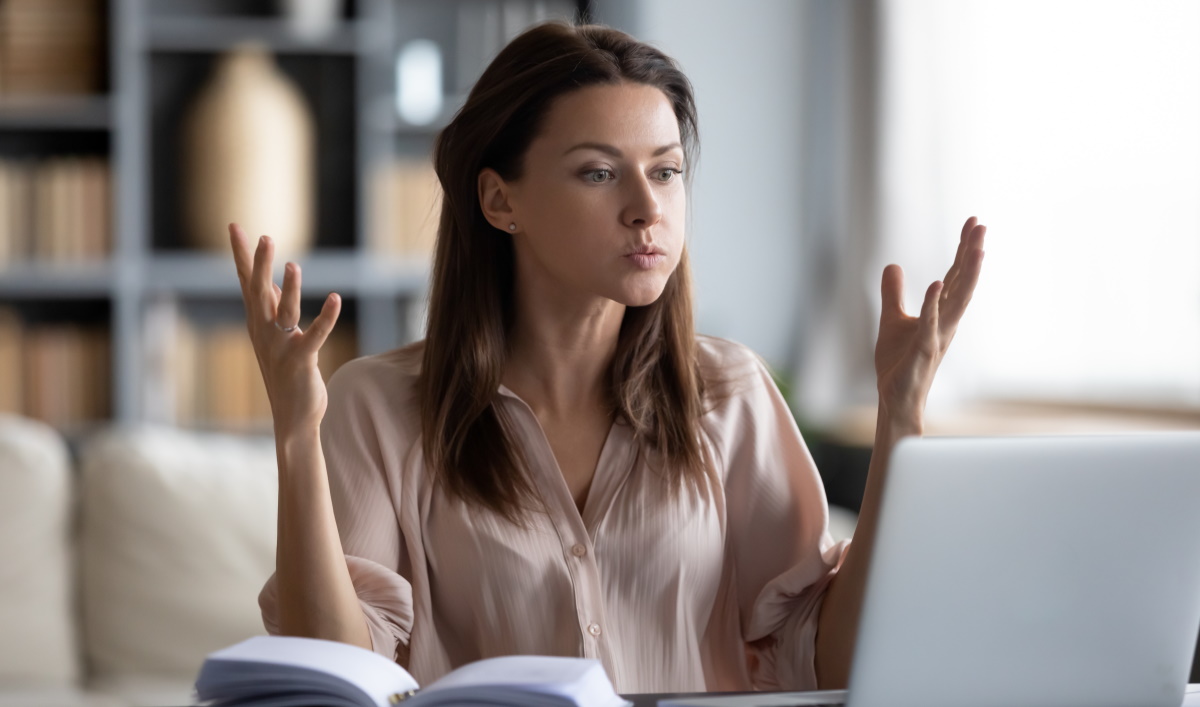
(643, 208)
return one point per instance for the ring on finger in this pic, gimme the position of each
(286, 329)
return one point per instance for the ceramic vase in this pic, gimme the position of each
(249, 157)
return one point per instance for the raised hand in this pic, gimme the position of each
(910, 349)
(287, 356)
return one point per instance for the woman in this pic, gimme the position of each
(563, 466)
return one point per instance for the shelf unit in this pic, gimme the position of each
(159, 54)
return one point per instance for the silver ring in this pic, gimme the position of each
(286, 329)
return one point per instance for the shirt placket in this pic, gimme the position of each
(576, 544)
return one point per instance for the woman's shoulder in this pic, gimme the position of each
(390, 378)
(394, 366)
(725, 359)
(737, 381)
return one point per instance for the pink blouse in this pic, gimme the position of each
(672, 592)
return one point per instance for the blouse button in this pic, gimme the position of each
(594, 629)
(579, 551)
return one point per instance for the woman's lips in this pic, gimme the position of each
(646, 261)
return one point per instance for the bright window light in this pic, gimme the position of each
(1072, 129)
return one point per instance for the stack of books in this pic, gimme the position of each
(55, 209)
(51, 47)
(406, 201)
(58, 373)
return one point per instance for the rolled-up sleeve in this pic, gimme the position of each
(363, 504)
(778, 540)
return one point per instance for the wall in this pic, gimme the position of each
(744, 60)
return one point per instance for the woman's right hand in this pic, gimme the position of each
(287, 356)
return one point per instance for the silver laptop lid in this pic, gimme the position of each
(1051, 571)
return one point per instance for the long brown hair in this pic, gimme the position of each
(654, 383)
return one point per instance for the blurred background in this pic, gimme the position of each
(837, 136)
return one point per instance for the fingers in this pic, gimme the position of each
(244, 260)
(242, 257)
(967, 228)
(288, 313)
(927, 327)
(893, 290)
(963, 240)
(961, 288)
(261, 302)
(266, 301)
(315, 337)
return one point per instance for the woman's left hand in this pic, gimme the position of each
(910, 349)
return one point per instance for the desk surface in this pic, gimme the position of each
(651, 700)
(1191, 697)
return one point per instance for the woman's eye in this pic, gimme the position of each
(599, 176)
(666, 175)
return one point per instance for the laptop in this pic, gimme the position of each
(1028, 572)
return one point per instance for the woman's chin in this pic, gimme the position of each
(642, 296)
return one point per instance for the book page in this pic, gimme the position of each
(273, 665)
(527, 680)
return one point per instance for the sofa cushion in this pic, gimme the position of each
(178, 537)
(60, 697)
(150, 691)
(38, 637)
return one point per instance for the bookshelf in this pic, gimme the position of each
(107, 312)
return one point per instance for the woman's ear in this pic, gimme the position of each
(494, 200)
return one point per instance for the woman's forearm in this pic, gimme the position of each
(837, 624)
(316, 597)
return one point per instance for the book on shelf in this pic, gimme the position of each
(51, 47)
(12, 381)
(67, 369)
(55, 210)
(57, 373)
(16, 210)
(405, 208)
(282, 671)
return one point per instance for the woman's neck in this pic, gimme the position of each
(560, 357)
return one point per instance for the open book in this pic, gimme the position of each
(283, 671)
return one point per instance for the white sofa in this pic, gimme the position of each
(119, 573)
(121, 570)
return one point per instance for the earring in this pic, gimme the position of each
(512, 226)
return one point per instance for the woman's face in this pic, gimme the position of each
(600, 206)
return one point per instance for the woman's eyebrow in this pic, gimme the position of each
(609, 149)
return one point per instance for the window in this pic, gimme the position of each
(1072, 129)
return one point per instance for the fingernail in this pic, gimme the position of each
(262, 240)
(334, 297)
